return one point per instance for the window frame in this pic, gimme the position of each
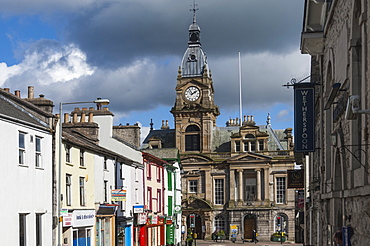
(219, 191)
(82, 191)
(82, 158)
(22, 148)
(38, 227)
(38, 151)
(193, 186)
(68, 189)
(280, 190)
(68, 149)
(22, 224)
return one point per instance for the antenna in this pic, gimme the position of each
(194, 9)
(240, 92)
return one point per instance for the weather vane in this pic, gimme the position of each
(194, 9)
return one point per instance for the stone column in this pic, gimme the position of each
(208, 188)
(240, 196)
(267, 184)
(232, 187)
(258, 184)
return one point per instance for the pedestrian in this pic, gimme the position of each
(337, 238)
(254, 236)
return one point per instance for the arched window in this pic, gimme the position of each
(219, 223)
(281, 223)
(192, 138)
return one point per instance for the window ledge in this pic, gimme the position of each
(82, 167)
(39, 168)
(23, 165)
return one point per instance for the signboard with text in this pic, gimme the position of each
(83, 218)
(295, 178)
(304, 117)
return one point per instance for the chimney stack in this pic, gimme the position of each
(6, 89)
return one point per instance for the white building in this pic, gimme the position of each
(26, 176)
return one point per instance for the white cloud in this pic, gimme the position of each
(49, 65)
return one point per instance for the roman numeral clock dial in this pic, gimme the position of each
(192, 93)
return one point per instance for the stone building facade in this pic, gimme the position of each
(336, 35)
(233, 175)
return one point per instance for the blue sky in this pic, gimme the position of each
(129, 51)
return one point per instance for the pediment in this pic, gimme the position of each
(250, 156)
(195, 159)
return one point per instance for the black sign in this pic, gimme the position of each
(304, 117)
(295, 178)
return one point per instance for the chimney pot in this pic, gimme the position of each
(91, 115)
(66, 118)
(91, 108)
(84, 108)
(30, 92)
(75, 117)
(41, 95)
(6, 89)
(77, 109)
(17, 93)
(83, 116)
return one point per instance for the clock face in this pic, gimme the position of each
(192, 93)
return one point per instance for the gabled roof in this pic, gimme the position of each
(12, 111)
(78, 139)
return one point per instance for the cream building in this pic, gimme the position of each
(233, 175)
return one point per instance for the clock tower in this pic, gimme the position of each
(194, 111)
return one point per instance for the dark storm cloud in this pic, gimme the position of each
(122, 32)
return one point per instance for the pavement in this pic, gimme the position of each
(201, 242)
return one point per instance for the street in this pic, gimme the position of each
(229, 243)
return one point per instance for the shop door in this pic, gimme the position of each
(249, 226)
(82, 237)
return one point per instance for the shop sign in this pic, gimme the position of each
(138, 209)
(119, 195)
(81, 218)
(142, 218)
(154, 219)
(63, 212)
(295, 178)
(67, 220)
(304, 117)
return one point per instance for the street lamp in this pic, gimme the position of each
(98, 101)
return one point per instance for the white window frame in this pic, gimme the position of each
(38, 151)
(68, 153)
(82, 191)
(219, 191)
(193, 186)
(39, 229)
(22, 229)
(280, 190)
(68, 189)
(82, 158)
(22, 148)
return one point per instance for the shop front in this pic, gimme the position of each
(78, 228)
(105, 226)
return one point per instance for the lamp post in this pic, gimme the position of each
(100, 102)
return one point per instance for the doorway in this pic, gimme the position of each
(250, 224)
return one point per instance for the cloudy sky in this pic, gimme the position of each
(129, 51)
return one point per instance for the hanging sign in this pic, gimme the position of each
(295, 178)
(119, 195)
(304, 117)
